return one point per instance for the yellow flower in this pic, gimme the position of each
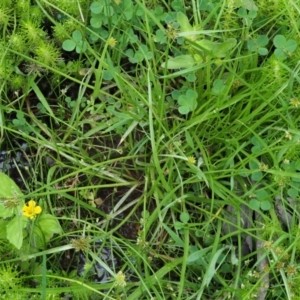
(295, 102)
(112, 42)
(191, 160)
(30, 210)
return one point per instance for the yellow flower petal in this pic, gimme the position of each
(30, 210)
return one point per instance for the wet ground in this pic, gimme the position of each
(17, 162)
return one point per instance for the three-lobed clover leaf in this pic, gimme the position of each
(207, 5)
(258, 45)
(177, 5)
(76, 43)
(256, 174)
(247, 15)
(141, 54)
(187, 102)
(218, 87)
(283, 47)
(262, 201)
(258, 145)
(160, 37)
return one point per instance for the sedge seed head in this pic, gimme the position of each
(81, 244)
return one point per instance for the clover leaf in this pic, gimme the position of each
(160, 37)
(207, 5)
(96, 7)
(256, 172)
(96, 20)
(258, 145)
(258, 44)
(218, 87)
(284, 47)
(21, 123)
(141, 54)
(247, 4)
(177, 5)
(75, 43)
(247, 16)
(187, 102)
(261, 201)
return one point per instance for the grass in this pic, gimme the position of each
(167, 150)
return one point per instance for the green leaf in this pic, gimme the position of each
(262, 40)
(9, 191)
(290, 46)
(15, 231)
(262, 51)
(178, 225)
(222, 50)
(184, 23)
(256, 141)
(265, 205)
(297, 164)
(179, 242)
(3, 231)
(279, 41)
(262, 195)
(256, 149)
(77, 36)
(179, 62)
(45, 226)
(41, 97)
(107, 75)
(68, 45)
(251, 45)
(197, 254)
(206, 45)
(234, 259)
(254, 204)
(8, 187)
(217, 49)
(96, 22)
(184, 217)
(189, 140)
(218, 87)
(248, 4)
(279, 53)
(145, 214)
(184, 110)
(253, 164)
(293, 193)
(212, 266)
(187, 102)
(256, 176)
(160, 37)
(242, 12)
(96, 7)
(81, 47)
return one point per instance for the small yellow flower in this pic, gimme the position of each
(112, 42)
(191, 160)
(30, 210)
(295, 102)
